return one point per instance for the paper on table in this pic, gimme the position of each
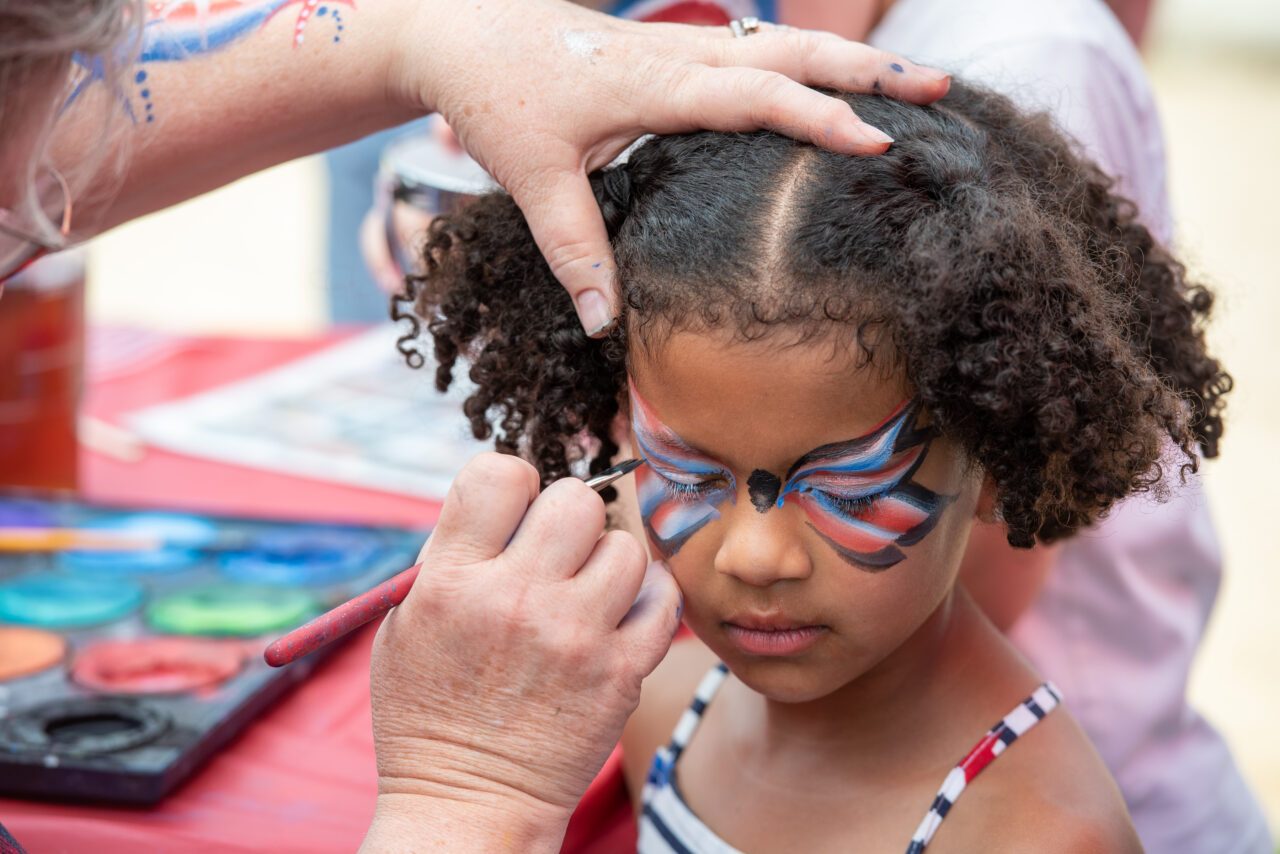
(352, 413)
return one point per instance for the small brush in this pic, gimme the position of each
(367, 607)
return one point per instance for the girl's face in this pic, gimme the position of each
(810, 515)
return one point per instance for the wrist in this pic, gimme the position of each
(463, 821)
(435, 43)
(418, 55)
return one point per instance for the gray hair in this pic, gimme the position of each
(38, 40)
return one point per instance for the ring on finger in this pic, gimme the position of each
(743, 27)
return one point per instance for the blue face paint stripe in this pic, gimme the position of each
(651, 455)
(886, 440)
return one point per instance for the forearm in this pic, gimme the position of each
(219, 94)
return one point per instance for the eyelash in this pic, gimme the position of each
(690, 492)
(853, 506)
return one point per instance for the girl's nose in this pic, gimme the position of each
(762, 548)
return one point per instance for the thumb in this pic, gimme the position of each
(569, 229)
(650, 625)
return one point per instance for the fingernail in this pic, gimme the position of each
(593, 311)
(932, 73)
(876, 135)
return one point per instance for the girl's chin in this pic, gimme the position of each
(783, 680)
(784, 687)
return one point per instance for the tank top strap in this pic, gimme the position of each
(1024, 716)
(664, 761)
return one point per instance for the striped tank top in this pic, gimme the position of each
(669, 826)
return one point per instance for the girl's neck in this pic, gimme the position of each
(952, 677)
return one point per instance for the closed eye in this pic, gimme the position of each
(690, 489)
(849, 506)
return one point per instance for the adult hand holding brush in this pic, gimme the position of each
(505, 678)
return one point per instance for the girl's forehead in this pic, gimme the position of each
(755, 405)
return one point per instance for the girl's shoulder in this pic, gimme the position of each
(665, 695)
(1049, 792)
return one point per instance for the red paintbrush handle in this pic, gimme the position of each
(343, 619)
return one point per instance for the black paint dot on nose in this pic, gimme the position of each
(763, 488)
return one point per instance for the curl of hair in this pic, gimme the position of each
(1043, 327)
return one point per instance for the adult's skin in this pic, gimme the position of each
(505, 678)
(540, 92)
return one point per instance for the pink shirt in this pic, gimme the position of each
(1119, 620)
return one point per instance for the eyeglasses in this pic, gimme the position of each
(22, 240)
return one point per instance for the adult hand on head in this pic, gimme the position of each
(542, 92)
(503, 681)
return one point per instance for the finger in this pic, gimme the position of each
(483, 508)
(566, 223)
(611, 577)
(647, 629)
(560, 530)
(823, 59)
(746, 99)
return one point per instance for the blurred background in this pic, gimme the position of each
(253, 258)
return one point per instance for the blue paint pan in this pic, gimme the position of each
(55, 600)
(303, 557)
(184, 537)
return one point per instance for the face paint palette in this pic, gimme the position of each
(122, 672)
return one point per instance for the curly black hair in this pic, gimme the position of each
(1043, 327)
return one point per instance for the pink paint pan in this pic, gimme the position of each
(158, 665)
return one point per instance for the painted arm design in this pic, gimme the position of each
(178, 30)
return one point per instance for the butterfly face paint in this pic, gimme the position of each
(858, 494)
(680, 489)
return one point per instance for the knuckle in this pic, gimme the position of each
(807, 43)
(689, 80)
(625, 551)
(491, 469)
(832, 113)
(770, 99)
(574, 498)
(562, 256)
(883, 59)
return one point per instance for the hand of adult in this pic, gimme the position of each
(503, 681)
(542, 92)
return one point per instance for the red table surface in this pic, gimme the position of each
(301, 777)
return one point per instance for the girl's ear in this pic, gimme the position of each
(985, 509)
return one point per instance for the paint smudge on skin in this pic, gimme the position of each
(858, 494)
(182, 30)
(896, 67)
(581, 43)
(763, 487)
(681, 489)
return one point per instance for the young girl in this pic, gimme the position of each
(832, 366)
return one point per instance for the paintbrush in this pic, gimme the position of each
(367, 607)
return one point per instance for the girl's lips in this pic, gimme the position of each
(779, 641)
